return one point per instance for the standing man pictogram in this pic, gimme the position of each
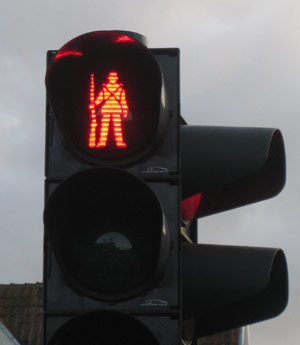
(112, 102)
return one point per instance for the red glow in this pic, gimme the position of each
(93, 124)
(112, 103)
(190, 206)
(68, 53)
(124, 39)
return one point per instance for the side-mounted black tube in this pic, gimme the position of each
(231, 166)
(226, 287)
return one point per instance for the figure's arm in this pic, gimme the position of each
(124, 104)
(100, 98)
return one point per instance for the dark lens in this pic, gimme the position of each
(110, 231)
(107, 328)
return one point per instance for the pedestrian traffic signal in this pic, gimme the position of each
(125, 181)
(112, 215)
(108, 108)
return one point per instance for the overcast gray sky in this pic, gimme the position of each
(239, 67)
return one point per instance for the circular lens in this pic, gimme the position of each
(106, 327)
(108, 230)
(106, 91)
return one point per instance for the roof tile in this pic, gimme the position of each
(21, 310)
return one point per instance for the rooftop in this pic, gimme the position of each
(21, 310)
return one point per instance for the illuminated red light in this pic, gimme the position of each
(93, 123)
(110, 103)
(68, 53)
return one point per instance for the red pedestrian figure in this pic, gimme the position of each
(112, 102)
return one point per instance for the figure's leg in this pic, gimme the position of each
(117, 124)
(105, 120)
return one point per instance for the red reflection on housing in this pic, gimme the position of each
(111, 105)
(125, 38)
(68, 53)
(190, 206)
